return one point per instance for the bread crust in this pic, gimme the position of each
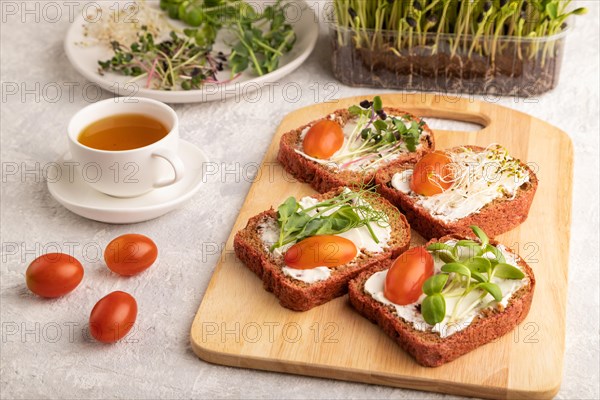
(323, 178)
(495, 218)
(297, 295)
(428, 348)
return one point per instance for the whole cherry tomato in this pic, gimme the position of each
(323, 139)
(130, 254)
(405, 278)
(320, 251)
(53, 274)
(432, 174)
(113, 317)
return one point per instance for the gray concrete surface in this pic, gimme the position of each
(43, 351)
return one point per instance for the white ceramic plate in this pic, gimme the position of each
(85, 60)
(75, 195)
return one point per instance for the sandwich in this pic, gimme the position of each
(347, 147)
(308, 249)
(447, 298)
(447, 191)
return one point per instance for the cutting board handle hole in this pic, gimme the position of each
(448, 124)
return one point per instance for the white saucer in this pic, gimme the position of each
(81, 199)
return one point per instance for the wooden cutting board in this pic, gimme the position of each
(240, 324)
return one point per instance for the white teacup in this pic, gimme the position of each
(127, 173)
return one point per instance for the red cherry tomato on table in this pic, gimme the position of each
(53, 274)
(323, 139)
(405, 278)
(432, 174)
(130, 254)
(113, 317)
(320, 251)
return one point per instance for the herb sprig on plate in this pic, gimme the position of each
(187, 60)
(339, 214)
(170, 64)
(262, 37)
(462, 275)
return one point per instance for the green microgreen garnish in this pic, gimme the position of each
(465, 271)
(187, 60)
(433, 307)
(478, 177)
(471, 27)
(172, 64)
(261, 37)
(347, 210)
(376, 137)
(379, 132)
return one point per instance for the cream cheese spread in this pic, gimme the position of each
(466, 312)
(349, 147)
(361, 237)
(481, 178)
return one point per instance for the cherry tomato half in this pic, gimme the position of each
(323, 139)
(433, 174)
(130, 254)
(320, 251)
(53, 274)
(405, 278)
(113, 317)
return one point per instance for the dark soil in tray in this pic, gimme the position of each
(421, 70)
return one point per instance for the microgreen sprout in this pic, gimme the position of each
(261, 37)
(474, 26)
(377, 137)
(187, 60)
(476, 177)
(178, 62)
(469, 266)
(347, 210)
